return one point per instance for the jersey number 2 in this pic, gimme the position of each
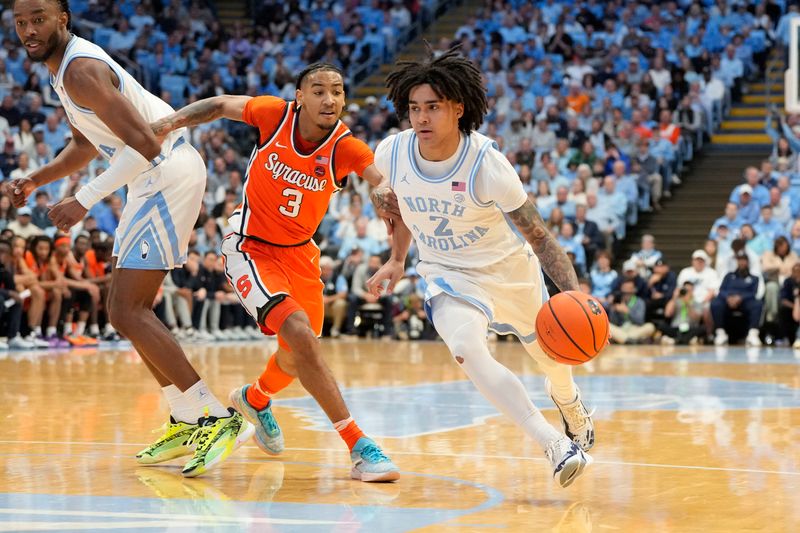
(292, 207)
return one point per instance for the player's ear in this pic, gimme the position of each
(459, 110)
(298, 96)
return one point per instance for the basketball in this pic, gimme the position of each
(572, 327)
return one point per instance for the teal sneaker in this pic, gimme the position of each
(370, 464)
(268, 436)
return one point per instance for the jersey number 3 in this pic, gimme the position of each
(292, 207)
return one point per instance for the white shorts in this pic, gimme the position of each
(161, 211)
(509, 292)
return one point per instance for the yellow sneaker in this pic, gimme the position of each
(173, 443)
(216, 439)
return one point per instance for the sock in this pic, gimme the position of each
(109, 329)
(199, 401)
(94, 330)
(349, 431)
(271, 381)
(37, 331)
(51, 330)
(81, 329)
(173, 396)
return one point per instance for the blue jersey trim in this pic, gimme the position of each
(99, 58)
(474, 172)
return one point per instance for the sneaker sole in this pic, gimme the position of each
(572, 470)
(374, 477)
(173, 454)
(244, 436)
(246, 412)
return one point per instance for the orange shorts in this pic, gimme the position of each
(273, 282)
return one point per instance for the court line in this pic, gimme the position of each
(178, 516)
(427, 454)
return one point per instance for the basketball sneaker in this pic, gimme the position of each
(216, 438)
(567, 459)
(268, 437)
(173, 443)
(370, 464)
(575, 419)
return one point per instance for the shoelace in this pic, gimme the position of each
(576, 415)
(267, 418)
(373, 454)
(201, 435)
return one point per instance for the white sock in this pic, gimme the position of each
(51, 330)
(200, 402)
(81, 328)
(37, 331)
(109, 329)
(560, 376)
(94, 329)
(173, 396)
(463, 328)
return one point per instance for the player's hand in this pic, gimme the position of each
(67, 213)
(19, 190)
(392, 271)
(385, 201)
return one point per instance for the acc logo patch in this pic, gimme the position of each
(593, 307)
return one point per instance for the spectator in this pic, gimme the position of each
(737, 293)
(40, 210)
(22, 226)
(647, 257)
(602, 277)
(789, 302)
(660, 286)
(627, 316)
(334, 294)
(684, 315)
(360, 296)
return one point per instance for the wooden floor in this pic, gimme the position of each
(688, 439)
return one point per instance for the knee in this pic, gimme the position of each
(37, 293)
(296, 331)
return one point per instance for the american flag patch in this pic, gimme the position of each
(321, 160)
(458, 186)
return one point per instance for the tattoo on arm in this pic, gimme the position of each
(200, 112)
(553, 258)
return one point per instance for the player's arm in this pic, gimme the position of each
(552, 257)
(202, 111)
(75, 156)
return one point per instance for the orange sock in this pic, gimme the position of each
(271, 381)
(349, 431)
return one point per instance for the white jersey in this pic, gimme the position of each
(85, 121)
(458, 217)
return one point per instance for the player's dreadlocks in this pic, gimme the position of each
(316, 67)
(63, 5)
(451, 76)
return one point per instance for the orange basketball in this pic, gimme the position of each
(572, 327)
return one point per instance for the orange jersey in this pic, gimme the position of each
(95, 268)
(287, 190)
(34, 265)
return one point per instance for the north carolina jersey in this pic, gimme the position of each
(85, 121)
(287, 190)
(452, 223)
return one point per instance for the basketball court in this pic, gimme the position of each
(688, 439)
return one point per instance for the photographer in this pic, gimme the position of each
(628, 324)
(684, 315)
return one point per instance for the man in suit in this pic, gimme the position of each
(589, 234)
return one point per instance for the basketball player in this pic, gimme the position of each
(109, 112)
(304, 155)
(459, 196)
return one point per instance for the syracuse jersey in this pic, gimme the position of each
(287, 190)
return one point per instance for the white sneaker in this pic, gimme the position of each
(796, 344)
(204, 336)
(720, 338)
(254, 333)
(567, 459)
(239, 334)
(3, 345)
(18, 343)
(575, 419)
(752, 338)
(37, 342)
(667, 341)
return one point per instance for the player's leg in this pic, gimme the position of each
(575, 418)
(463, 328)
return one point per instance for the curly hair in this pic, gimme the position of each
(451, 76)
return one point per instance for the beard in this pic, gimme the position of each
(45, 51)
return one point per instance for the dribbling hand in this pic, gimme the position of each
(392, 271)
(18, 190)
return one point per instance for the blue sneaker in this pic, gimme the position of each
(370, 463)
(568, 460)
(268, 434)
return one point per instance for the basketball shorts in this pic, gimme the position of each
(161, 210)
(509, 292)
(273, 282)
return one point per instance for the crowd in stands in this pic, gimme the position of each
(599, 106)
